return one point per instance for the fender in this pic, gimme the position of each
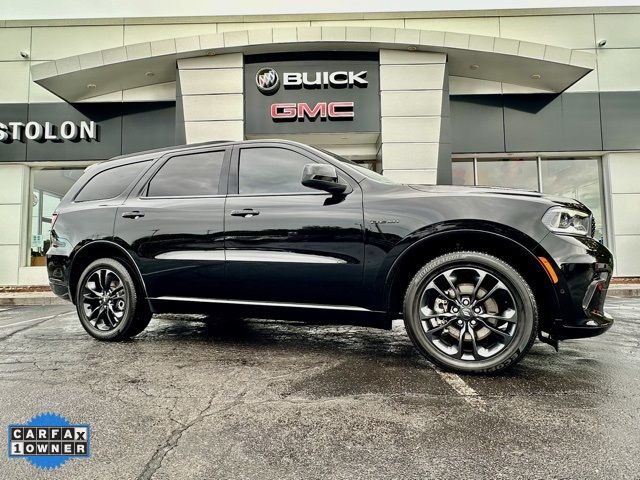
(97, 243)
(437, 232)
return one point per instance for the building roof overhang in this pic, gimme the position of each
(544, 67)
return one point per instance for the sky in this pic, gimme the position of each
(51, 9)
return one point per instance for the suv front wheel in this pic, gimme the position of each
(108, 302)
(470, 312)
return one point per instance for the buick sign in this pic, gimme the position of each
(267, 80)
(325, 79)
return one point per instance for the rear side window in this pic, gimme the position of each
(110, 183)
(188, 175)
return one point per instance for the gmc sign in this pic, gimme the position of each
(300, 111)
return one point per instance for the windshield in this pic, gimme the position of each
(375, 176)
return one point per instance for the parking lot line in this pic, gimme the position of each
(27, 321)
(462, 388)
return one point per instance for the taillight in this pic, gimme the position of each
(54, 217)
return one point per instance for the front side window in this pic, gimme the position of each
(110, 183)
(188, 175)
(269, 170)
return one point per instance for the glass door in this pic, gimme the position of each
(49, 186)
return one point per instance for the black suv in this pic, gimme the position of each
(271, 228)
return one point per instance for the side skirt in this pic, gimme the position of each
(302, 312)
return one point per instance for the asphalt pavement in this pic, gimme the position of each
(202, 398)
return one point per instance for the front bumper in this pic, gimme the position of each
(584, 268)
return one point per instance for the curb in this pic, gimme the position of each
(624, 292)
(16, 300)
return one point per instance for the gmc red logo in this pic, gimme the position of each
(302, 110)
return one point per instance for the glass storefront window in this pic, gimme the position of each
(462, 172)
(578, 178)
(512, 173)
(49, 186)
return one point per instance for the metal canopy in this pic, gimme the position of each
(543, 67)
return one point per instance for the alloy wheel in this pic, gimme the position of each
(104, 299)
(468, 313)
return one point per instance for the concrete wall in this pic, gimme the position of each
(414, 106)
(618, 61)
(211, 97)
(624, 172)
(13, 221)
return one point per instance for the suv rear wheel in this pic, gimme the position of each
(108, 302)
(470, 312)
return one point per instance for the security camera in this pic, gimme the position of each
(24, 54)
(602, 43)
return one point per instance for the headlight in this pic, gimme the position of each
(567, 221)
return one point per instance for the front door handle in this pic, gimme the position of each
(135, 214)
(247, 212)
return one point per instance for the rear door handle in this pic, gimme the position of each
(135, 214)
(247, 212)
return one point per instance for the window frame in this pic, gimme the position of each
(234, 172)
(142, 192)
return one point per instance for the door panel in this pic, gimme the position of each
(294, 248)
(178, 241)
(179, 245)
(300, 248)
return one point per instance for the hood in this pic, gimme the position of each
(498, 191)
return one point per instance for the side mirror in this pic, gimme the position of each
(322, 177)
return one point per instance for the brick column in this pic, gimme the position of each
(209, 98)
(414, 104)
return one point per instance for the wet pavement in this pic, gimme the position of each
(194, 397)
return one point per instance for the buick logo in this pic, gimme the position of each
(267, 80)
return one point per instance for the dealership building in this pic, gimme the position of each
(537, 99)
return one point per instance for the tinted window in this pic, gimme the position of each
(110, 183)
(187, 175)
(271, 170)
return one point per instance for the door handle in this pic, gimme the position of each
(135, 214)
(247, 212)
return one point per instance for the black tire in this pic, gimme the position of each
(134, 316)
(422, 294)
(144, 318)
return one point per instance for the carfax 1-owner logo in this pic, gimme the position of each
(48, 440)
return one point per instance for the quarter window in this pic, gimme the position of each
(110, 183)
(271, 170)
(188, 175)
